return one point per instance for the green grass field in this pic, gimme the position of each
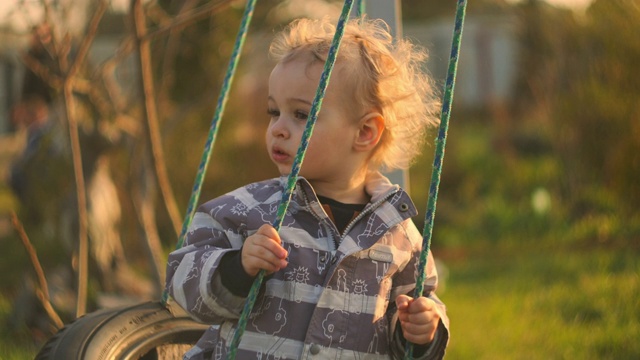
(15, 344)
(544, 305)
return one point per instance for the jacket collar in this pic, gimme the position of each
(377, 186)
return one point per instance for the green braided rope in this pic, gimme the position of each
(360, 8)
(295, 169)
(213, 129)
(439, 154)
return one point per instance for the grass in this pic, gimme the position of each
(16, 342)
(544, 305)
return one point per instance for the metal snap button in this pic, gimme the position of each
(314, 349)
(404, 207)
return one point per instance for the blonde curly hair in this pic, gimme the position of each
(385, 75)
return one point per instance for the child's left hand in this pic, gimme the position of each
(418, 318)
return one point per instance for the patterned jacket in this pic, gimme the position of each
(327, 303)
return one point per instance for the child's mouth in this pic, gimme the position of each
(279, 155)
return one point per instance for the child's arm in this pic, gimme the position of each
(262, 250)
(193, 276)
(213, 255)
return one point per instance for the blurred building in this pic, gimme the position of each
(488, 57)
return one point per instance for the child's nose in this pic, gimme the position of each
(279, 127)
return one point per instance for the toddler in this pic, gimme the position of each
(340, 273)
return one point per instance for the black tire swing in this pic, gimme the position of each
(158, 330)
(148, 330)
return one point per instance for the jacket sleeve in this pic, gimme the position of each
(192, 277)
(404, 283)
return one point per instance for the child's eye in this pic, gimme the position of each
(301, 115)
(273, 113)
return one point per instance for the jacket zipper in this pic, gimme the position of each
(362, 214)
(366, 210)
(323, 220)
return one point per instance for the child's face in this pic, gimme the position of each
(330, 155)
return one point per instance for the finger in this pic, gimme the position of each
(269, 231)
(253, 264)
(423, 310)
(418, 334)
(421, 318)
(411, 329)
(402, 302)
(421, 304)
(260, 252)
(265, 249)
(274, 244)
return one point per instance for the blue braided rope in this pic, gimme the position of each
(295, 169)
(213, 129)
(439, 154)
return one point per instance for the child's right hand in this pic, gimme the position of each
(263, 250)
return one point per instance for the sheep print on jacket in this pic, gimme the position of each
(334, 300)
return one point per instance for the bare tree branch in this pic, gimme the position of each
(86, 42)
(42, 71)
(171, 49)
(106, 73)
(143, 202)
(83, 246)
(43, 292)
(146, 77)
(185, 19)
(70, 106)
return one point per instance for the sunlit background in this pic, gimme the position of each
(537, 233)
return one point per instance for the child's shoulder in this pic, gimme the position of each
(260, 191)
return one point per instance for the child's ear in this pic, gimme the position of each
(369, 132)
